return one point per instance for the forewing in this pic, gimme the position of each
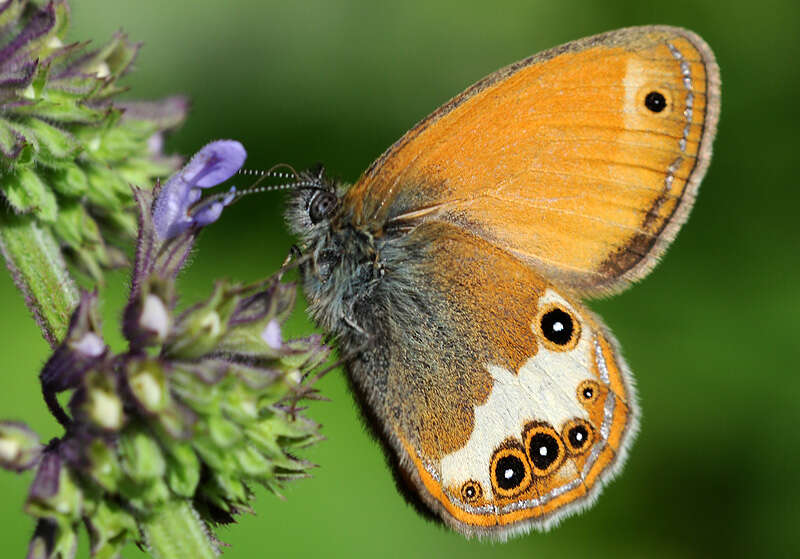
(561, 159)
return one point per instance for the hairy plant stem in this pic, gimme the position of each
(34, 259)
(176, 532)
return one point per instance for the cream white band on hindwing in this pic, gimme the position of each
(542, 392)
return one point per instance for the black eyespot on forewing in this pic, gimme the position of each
(544, 447)
(509, 470)
(655, 101)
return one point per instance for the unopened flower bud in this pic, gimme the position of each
(54, 490)
(272, 334)
(149, 385)
(155, 317)
(104, 408)
(147, 318)
(19, 446)
(98, 403)
(89, 345)
(198, 335)
(81, 350)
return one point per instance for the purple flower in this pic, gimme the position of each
(175, 209)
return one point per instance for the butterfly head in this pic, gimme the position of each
(337, 259)
(314, 202)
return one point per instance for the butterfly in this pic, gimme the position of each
(451, 273)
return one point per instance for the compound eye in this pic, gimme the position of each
(545, 449)
(510, 471)
(322, 205)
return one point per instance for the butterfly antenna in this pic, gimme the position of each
(297, 182)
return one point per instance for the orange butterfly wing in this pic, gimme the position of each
(558, 159)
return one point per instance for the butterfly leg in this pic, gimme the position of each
(354, 325)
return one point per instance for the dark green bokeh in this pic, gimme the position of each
(711, 335)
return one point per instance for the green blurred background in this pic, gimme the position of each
(711, 335)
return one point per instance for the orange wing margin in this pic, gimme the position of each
(558, 160)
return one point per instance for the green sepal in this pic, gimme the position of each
(246, 338)
(104, 467)
(67, 503)
(9, 138)
(60, 106)
(70, 181)
(110, 528)
(105, 188)
(200, 330)
(11, 13)
(217, 458)
(66, 541)
(183, 469)
(57, 147)
(27, 193)
(252, 463)
(148, 384)
(76, 227)
(223, 433)
(141, 457)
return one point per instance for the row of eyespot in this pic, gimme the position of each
(513, 466)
